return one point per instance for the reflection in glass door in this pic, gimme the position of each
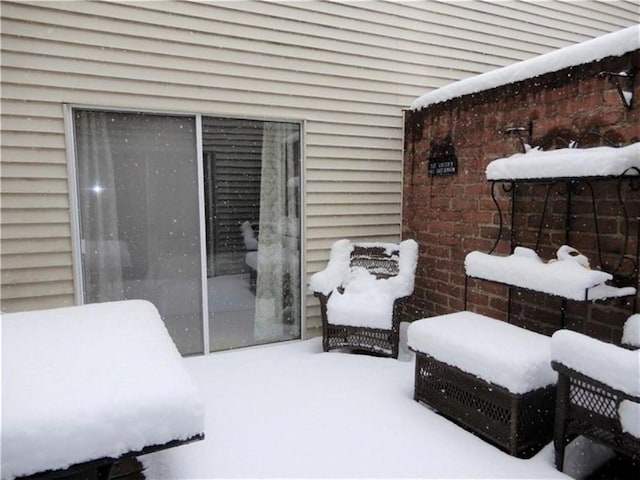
(137, 192)
(252, 205)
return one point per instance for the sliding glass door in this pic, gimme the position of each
(139, 223)
(252, 200)
(144, 197)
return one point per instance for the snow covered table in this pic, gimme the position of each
(490, 377)
(85, 386)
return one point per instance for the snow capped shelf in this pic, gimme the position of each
(525, 269)
(567, 163)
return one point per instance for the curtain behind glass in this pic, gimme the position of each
(139, 222)
(278, 281)
(104, 253)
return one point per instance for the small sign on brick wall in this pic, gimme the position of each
(443, 159)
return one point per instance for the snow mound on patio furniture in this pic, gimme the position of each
(612, 44)
(497, 352)
(338, 272)
(366, 302)
(631, 331)
(617, 367)
(605, 362)
(525, 269)
(630, 417)
(82, 383)
(567, 162)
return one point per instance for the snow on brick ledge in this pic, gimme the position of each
(612, 44)
(82, 383)
(468, 341)
(562, 278)
(567, 162)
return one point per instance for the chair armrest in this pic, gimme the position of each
(608, 364)
(336, 270)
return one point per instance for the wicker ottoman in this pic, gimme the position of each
(492, 378)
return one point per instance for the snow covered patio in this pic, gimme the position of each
(290, 410)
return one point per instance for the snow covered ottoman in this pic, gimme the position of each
(490, 377)
(84, 386)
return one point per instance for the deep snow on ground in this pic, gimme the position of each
(290, 410)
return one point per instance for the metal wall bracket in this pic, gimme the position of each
(624, 83)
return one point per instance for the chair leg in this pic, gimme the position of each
(560, 428)
(323, 312)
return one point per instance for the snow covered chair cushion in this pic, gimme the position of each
(359, 292)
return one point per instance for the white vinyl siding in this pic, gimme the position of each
(347, 69)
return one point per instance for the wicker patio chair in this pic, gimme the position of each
(598, 393)
(360, 292)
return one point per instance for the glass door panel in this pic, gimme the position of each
(139, 222)
(252, 205)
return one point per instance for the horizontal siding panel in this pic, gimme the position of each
(353, 187)
(342, 199)
(240, 26)
(34, 66)
(185, 43)
(35, 260)
(35, 186)
(53, 274)
(343, 163)
(31, 108)
(254, 66)
(35, 245)
(21, 201)
(352, 141)
(225, 107)
(33, 154)
(351, 154)
(34, 170)
(350, 219)
(41, 216)
(54, 86)
(355, 26)
(39, 289)
(29, 302)
(351, 175)
(317, 211)
(347, 231)
(324, 243)
(517, 18)
(26, 139)
(593, 17)
(359, 129)
(49, 230)
(426, 74)
(32, 124)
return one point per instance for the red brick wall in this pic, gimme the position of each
(450, 216)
